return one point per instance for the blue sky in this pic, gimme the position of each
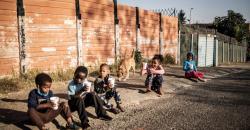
(203, 11)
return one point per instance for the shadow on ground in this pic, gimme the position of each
(232, 91)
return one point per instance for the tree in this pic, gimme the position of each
(232, 25)
(181, 17)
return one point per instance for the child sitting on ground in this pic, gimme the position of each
(41, 110)
(190, 68)
(154, 74)
(104, 86)
(80, 97)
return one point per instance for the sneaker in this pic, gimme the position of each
(72, 127)
(120, 108)
(105, 117)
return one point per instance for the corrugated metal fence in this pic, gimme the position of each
(212, 50)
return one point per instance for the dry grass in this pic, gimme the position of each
(17, 82)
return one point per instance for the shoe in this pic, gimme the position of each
(72, 127)
(120, 108)
(105, 117)
(113, 110)
(85, 126)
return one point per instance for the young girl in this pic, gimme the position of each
(154, 74)
(104, 87)
(190, 68)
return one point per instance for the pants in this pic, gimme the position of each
(41, 118)
(79, 104)
(194, 74)
(108, 95)
(113, 93)
(154, 81)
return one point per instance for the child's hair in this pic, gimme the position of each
(82, 69)
(158, 57)
(104, 65)
(42, 78)
(190, 54)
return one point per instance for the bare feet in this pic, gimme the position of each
(120, 108)
(147, 90)
(202, 80)
(160, 92)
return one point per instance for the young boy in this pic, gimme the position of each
(80, 97)
(104, 87)
(40, 109)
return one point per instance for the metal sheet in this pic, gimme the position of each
(210, 51)
(202, 51)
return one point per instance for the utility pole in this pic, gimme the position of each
(190, 16)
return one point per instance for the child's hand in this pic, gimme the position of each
(152, 71)
(109, 85)
(50, 105)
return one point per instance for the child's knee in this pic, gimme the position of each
(31, 112)
(64, 105)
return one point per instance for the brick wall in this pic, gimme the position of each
(51, 33)
(98, 31)
(150, 30)
(9, 52)
(170, 36)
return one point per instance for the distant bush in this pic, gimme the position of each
(169, 59)
(138, 59)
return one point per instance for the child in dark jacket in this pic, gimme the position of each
(104, 86)
(41, 110)
(190, 68)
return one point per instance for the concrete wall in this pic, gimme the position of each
(52, 34)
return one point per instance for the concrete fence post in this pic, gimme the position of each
(215, 51)
(79, 34)
(161, 35)
(117, 30)
(192, 43)
(223, 52)
(228, 53)
(241, 56)
(138, 32)
(21, 36)
(179, 48)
